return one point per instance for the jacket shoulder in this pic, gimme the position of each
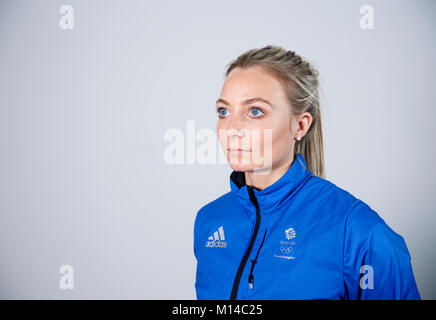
(359, 216)
(219, 203)
(215, 206)
(327, 193)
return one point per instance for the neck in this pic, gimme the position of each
(261, 181)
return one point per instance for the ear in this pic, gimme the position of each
(304, 122)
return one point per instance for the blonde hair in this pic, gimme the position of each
(300, 81)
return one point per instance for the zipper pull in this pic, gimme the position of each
(250, 281)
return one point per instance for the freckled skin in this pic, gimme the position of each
(239, 124)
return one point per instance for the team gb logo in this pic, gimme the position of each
(290, 233)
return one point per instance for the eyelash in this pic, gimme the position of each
(254, 107)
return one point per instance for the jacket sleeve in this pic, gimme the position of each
(196, 235)
(376, 259)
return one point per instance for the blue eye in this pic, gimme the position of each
(221, 112)
(257, 112)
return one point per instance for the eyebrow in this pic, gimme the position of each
(248, 101)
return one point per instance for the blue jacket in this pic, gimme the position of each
(300, 238)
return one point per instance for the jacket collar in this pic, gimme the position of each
(273, 196)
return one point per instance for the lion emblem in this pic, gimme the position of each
(290, 233)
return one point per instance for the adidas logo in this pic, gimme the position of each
(217, 239)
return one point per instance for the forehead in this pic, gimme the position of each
(250, 82)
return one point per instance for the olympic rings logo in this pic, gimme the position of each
(286, 250)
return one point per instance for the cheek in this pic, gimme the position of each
(281, 142)
(272, 132)
(276, 141)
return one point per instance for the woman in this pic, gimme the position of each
(283, 231)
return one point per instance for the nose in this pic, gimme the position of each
(236, 132)
(239, 136)
(236, 128)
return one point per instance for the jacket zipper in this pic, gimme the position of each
(250, 245)
(253, 262)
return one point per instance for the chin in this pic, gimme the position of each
(255, 169)
(241, 167)
(248, 167)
